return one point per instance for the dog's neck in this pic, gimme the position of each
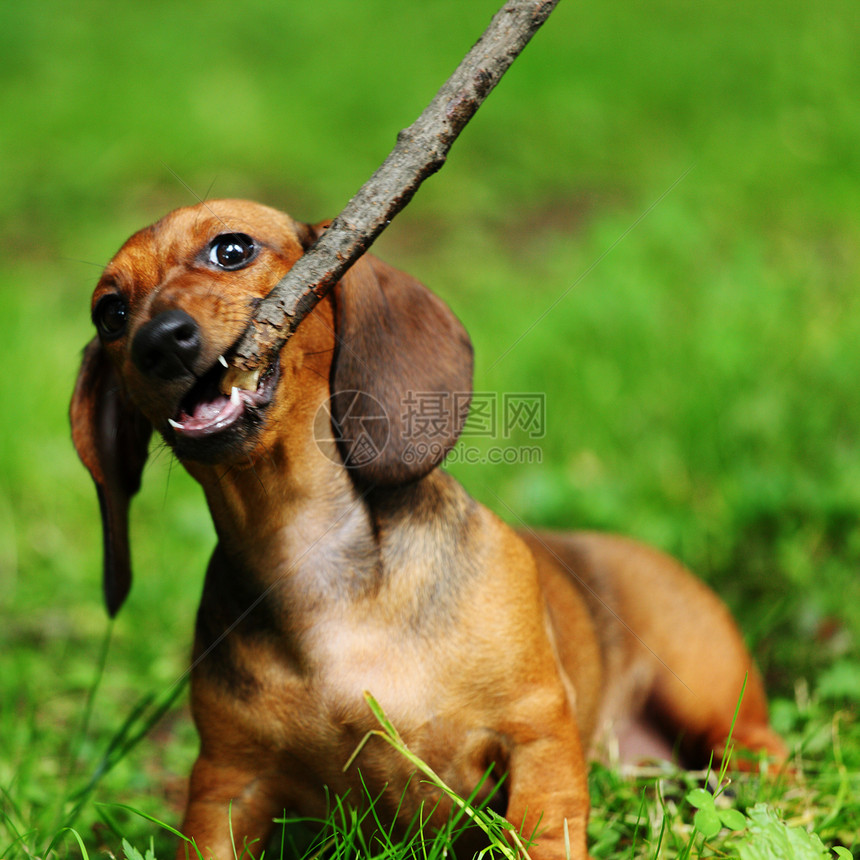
(285, 508)
(299, 529)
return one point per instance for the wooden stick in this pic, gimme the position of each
(421, 150)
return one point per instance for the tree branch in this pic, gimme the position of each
(421, 150)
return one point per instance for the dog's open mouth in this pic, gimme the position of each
(222, 397)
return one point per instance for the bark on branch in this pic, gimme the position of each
(420, 151)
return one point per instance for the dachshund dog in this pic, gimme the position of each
(347, 562)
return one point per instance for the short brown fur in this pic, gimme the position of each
(333, 575)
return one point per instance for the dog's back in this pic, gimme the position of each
(674, 662)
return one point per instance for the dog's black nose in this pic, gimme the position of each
(167, 346)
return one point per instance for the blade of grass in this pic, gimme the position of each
(78, 839)
(487, 820)
(146, 816)
(135, 727)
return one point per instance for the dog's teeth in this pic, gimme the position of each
(175, 424)
(244, 379)
(223, 360)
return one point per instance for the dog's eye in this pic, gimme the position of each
(232, 251)
(110, 316)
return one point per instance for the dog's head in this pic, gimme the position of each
(169, 310)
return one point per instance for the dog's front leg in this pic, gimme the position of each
(548, 787)
(229, 807)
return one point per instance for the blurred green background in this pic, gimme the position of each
(653, 220)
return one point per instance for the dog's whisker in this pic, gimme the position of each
(98, 266)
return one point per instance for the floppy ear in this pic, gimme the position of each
(112, 439)
(401, 379)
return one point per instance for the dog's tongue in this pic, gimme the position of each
(206, 413)
(210, 416)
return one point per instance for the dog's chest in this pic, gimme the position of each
(416, 697)
(313, 719)
(344, 662)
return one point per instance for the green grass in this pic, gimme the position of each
(653, 221)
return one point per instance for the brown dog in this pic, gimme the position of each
(343, 568)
